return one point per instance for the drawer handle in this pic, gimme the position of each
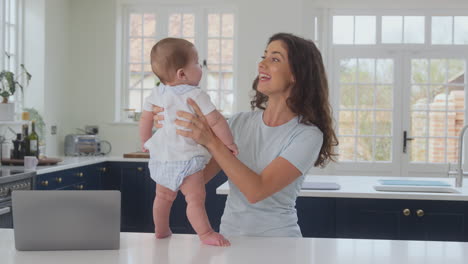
(406, 212)
(45, 183)
(104, 169)
(140, 169)
(58, 179)
(420, 213)
(79, 187)
(79, 174)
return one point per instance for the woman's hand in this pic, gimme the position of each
(197, 123)
(157, 117)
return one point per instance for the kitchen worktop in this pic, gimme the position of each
(73, 162)
(144, 248)
(362, 187)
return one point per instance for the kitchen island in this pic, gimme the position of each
(144, 248)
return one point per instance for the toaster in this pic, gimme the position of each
(82, 145)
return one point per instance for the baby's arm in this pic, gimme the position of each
(146, 127)
(221, 129)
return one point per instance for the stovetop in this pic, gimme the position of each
(15, 179)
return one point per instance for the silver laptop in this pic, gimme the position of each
(66, 220)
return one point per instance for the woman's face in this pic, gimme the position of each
(274, 73)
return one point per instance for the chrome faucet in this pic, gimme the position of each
(459, 175)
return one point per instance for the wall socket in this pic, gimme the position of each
(53, 129)
(92, 130)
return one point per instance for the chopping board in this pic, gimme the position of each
(137, 155)
(42, 162)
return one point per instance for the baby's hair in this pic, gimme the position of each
(169, 55)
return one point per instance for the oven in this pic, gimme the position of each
(10, 181)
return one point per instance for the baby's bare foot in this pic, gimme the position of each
(160, 235)
(215, 239)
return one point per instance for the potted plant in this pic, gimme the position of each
(8, 87)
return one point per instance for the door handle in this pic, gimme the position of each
(405, 140)
(5, 210)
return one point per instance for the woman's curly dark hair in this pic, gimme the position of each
(309, 97)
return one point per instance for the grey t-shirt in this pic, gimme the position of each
(258, 146)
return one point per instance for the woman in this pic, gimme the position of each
(291, 132)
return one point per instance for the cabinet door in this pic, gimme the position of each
(316, 216)
(369, 218)
(437, 220)
(133, 202)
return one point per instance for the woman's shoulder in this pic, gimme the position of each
(243, 117)
(308, 130)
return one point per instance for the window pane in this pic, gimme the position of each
(364, 149)
(175, 25)
(365, 30)
(419, 71)
(384, 97)
(365, 96)
(213, 25)
(227, 50)
(213, 51)
(134, 100)
(392, 27)
(135, 76)
(227, 81)
(135, 25)
(384, 72)
(461, 30)
(452, 150)
(147, 46)
(383, 149)
(456, 71)
(227, 100)
(366, 70)
(347, 125)
(343, 29)
(437, 150)
(419, 97)
(418, 150)
(135, 49)
(228, 25)
(346, 148)
(438, 71)
(437, 123)
(213, 81)
(149, 80)
(149, 25)
(348, 70)
(437, 97)
(365, 123)
(348, 96)
(12, 46)
(414, 29)
(442, 30)
(419, 124)
(189, 25)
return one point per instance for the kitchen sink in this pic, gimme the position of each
(407, 188)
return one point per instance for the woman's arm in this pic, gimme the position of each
(255, 187)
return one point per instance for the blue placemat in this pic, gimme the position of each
(413, 182)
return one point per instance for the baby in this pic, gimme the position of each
(177, 162)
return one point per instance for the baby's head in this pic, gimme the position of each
(175, 61)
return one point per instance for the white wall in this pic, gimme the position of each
(80, 47)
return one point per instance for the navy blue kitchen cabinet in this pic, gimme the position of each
(316, 216)
(80, 178)
(215, 203)
(402, 219)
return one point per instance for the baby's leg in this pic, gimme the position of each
(193, 188)
(161, 210)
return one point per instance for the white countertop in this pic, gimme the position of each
(139, 248)
(73, 162)
(362, 187)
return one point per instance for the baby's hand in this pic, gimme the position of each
(143, 149)
(233, 149)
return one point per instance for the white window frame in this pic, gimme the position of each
(399, 52)
(17, 42)
(123, 11)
